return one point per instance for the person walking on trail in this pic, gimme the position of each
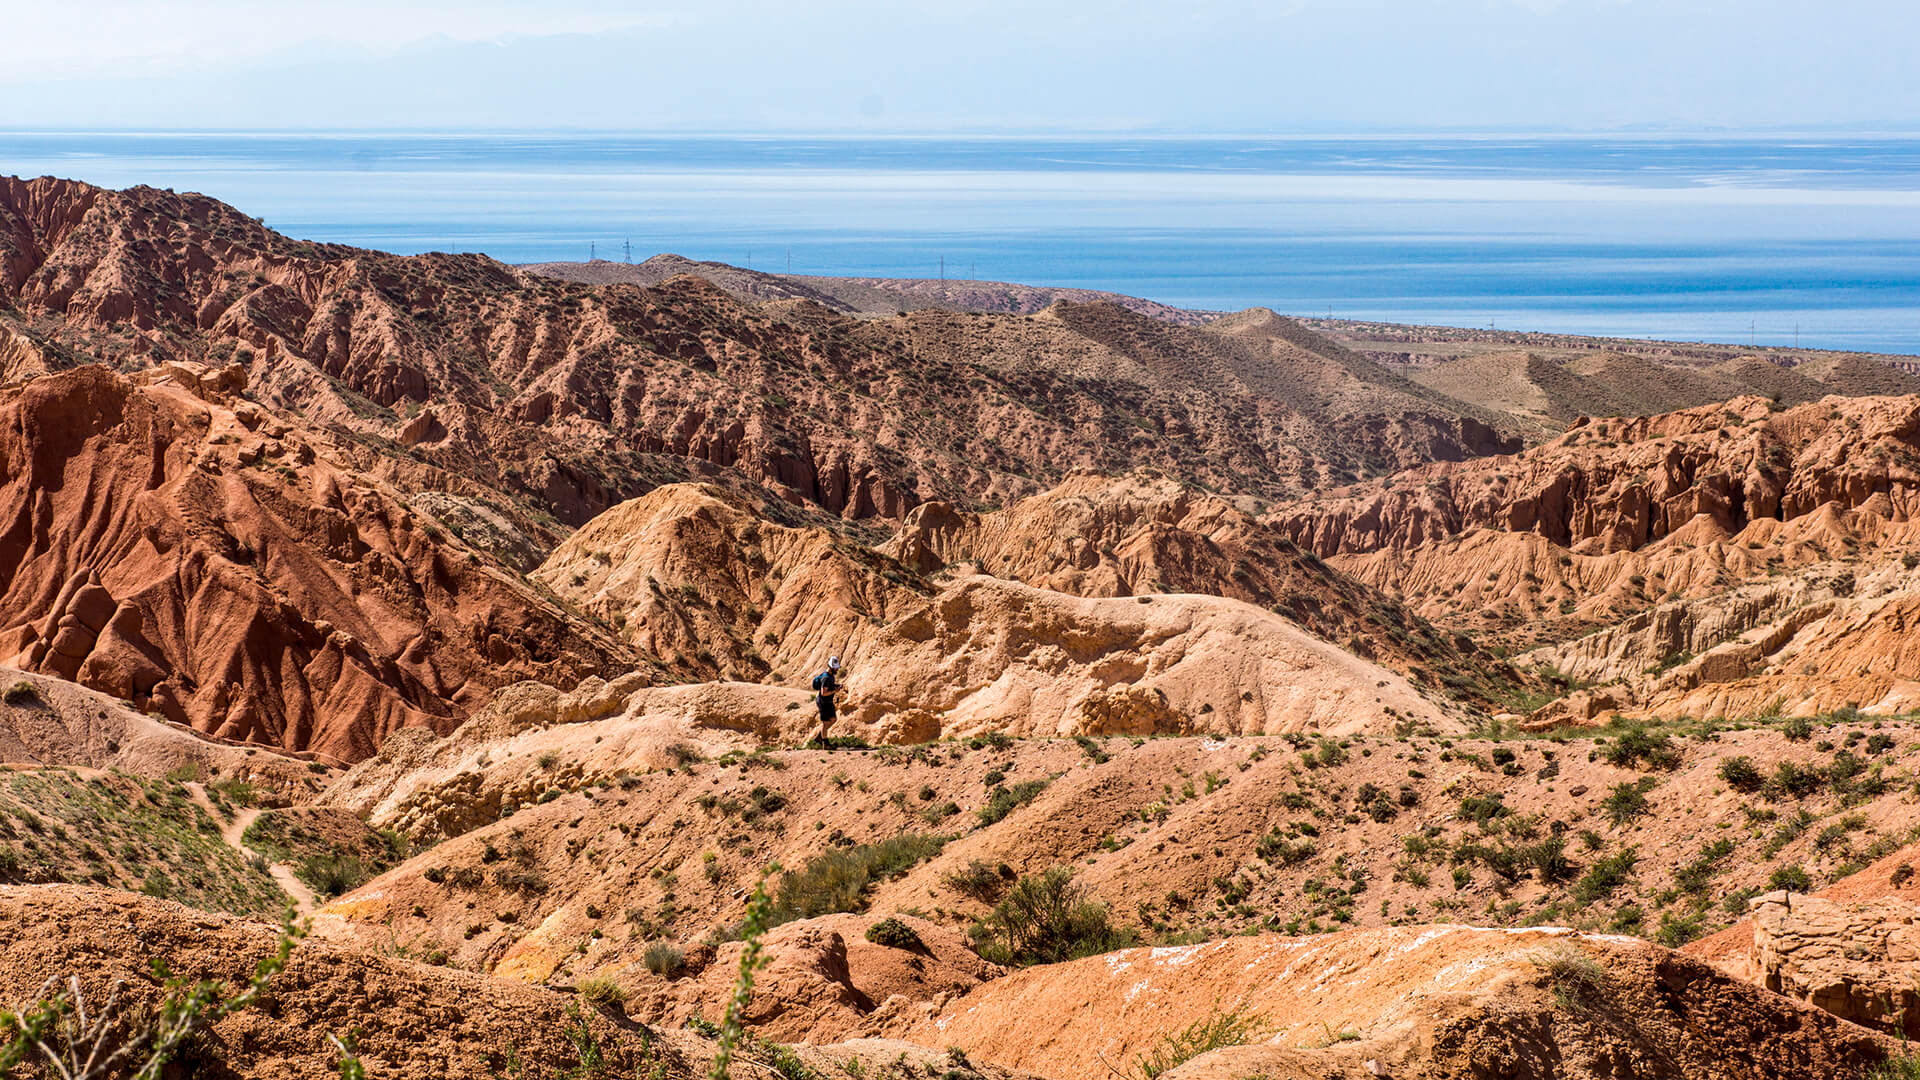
(825, 686)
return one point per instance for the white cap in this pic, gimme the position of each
(833, 662)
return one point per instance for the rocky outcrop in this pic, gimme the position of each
(203, 559)
(1619, 484)
(1859, 961)
(1145, 533)
(823, 979)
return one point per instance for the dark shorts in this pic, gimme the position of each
(826, 709)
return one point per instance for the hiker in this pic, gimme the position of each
(825, 685)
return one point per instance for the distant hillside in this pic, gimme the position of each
(863, 295)
(1544, 393)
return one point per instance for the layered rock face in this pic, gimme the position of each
(175, 546)
(1618, 484)
(1859, 961)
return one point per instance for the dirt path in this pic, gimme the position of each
(232, 831)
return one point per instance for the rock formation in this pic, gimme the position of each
(180, 548)
(1858, 961)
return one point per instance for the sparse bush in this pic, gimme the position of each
(601, 992)
(1549, 859)
(1677, 930)
(981, 882)
(1481, 809)
(1232, 1027)
(1790, 878)
(838, 880)
(1092, 749)
(1901, 1066)
(520, 879)
(1636, 745)
(1604, 876)
(894, 934)
(58, 1029)
(1275, 848)
(1002, 801)
(1627, 800)
(1047, 918)
(1741, 774)
(664, 959)
(1576, 977)
(22, 693)
(1328, 753)
(333, 874)
(1697, 876)
(1795, 781)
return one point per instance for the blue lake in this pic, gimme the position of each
(1779, 239)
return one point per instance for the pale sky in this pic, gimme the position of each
(962, 65)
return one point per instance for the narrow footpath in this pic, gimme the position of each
(232, 831)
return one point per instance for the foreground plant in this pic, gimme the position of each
(1232, 1027)
(752, 959)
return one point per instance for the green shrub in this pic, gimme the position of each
(1047, 918)
(1091, 748)
(1219, 1028)
(838, 880)
(1627, 801)
(1002, 801)
(1696, 876)
(1636, 745)
(600, 991)
(1790, 878)
(1549, 859)
(333, 874)
(1327, 753)
(1797, 729)
(1481, 809)
(1604, 876)
(1741, 774)
(1677, 930)
(1796, 781)
(895, 934)
(22, 693)
(1275, 848)
(664, 959)
(979, 881)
